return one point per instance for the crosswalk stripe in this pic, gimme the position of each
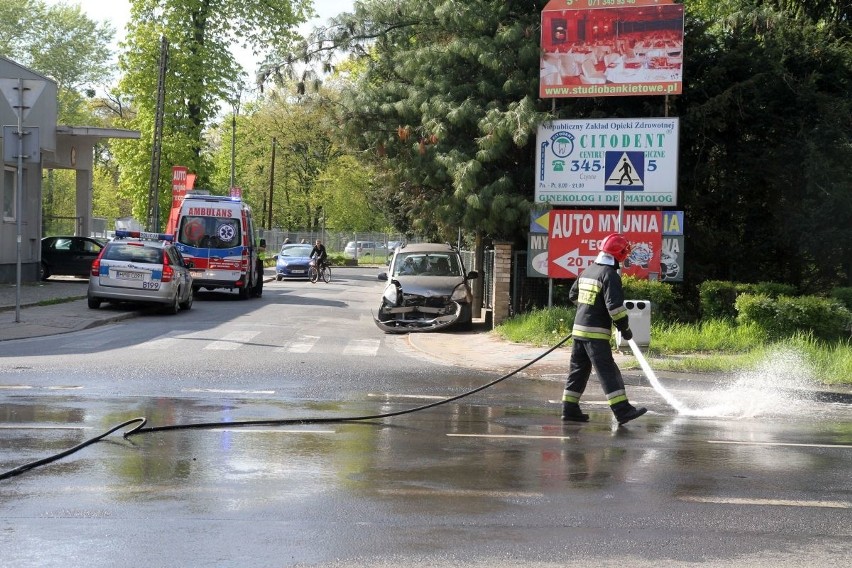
(362, 347)
(163, 342)
(233, 340)
(301, 344)
(177, 339)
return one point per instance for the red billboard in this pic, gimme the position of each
(598, 48)
(574, 237)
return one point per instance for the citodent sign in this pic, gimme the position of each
(574, 236)
(591, 162)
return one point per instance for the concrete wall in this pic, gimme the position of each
(41, 114)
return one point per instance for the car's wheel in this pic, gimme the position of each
(43, 271)
(257, 290)
(244, 292)
(94, 303)
(173, 307)
(187, 304)
(279, 278)
(465, 322)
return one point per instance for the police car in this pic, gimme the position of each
(141, 267)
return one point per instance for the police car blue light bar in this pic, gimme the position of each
(123, 234)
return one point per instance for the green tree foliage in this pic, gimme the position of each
(61, 42)
(444, 102)
(201, 73)
(315, 182)
(446, 99)
(765, 144)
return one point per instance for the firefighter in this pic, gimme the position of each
(600, 304)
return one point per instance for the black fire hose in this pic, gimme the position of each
(141, 429)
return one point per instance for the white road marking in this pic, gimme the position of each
(509, 436)
(301, 344)
(15, 387)
(229, 391)
(770, 502)
(779, 444)
(362, 347)
(415, 492)
(387, 396)
(41, 427)
(233, 340)
(272, 430)
(163, 342)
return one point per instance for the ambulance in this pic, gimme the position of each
(216, 235)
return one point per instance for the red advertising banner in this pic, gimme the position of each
(599, 48)
(574, 237)
(179, 187)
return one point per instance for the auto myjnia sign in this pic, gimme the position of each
(590, 162)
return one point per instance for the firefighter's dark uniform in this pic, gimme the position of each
(600, 304)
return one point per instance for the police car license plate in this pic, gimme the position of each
(197, 273)
(297, 271)
(125, 275)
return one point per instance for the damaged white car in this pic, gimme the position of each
(428, 290)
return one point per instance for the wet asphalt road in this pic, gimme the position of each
(494, 479)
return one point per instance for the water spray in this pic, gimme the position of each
(652, 378)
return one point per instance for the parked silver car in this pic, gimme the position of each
(141, 267)
(360, 249)
(428, 290)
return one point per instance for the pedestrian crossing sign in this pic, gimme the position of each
(625, 171)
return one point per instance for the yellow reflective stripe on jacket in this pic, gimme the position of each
(618, 313)
(591, 332)
(588, 290)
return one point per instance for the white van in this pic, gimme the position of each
(216, 235)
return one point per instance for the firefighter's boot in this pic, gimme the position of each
(625, 412)
(571, 413)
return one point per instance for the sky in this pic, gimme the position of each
(117, 13)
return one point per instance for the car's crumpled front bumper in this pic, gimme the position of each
(409, 319)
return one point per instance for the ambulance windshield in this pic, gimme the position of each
(209, 232)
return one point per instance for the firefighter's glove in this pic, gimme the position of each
(627, 335)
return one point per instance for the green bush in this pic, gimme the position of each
(786, 316)
(717, 299)
(771, 289)
(844, 295)
(660, 294)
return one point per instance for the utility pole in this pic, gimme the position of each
(234, 135)
(271, 185)
(157, 146)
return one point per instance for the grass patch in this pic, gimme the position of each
(715, 345)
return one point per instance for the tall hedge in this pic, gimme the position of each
(784, 316)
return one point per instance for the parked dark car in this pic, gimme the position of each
(68, 256)
(428, 290)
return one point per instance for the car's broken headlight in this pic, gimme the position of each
(391, 294)
(460, 294)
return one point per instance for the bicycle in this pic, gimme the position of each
(323, 273)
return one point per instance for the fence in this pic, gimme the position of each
(334, 241)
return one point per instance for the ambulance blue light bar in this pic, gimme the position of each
(122, 234)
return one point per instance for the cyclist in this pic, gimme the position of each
(320, 254)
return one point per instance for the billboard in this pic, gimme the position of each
(573, 239)
(599, 48)
(563, 250)
(590, 162)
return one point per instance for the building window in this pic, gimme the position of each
(10, 190)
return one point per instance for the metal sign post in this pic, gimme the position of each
(21, 95)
